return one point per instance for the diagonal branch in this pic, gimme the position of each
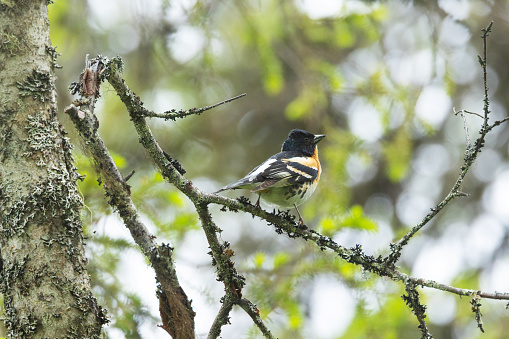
(471, 154)
(413, 301)
(496, 123)
(226, 272)
(169, 171)
(175, 308)
(173, 114)
(254, 313)
(223, 316)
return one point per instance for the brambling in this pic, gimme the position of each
(288, 178)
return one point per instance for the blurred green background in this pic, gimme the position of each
(380, 79)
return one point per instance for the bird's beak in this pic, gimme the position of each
(317, 138)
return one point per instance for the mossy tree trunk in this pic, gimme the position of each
(43, 275)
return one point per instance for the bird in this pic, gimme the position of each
(288, 178)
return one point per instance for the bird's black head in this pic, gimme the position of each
(302, 141)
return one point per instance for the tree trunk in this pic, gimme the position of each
(43, 275)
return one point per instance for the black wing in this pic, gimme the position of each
(282, 169)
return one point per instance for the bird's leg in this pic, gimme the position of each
(258, 201)
(300, 218)
(257, 205)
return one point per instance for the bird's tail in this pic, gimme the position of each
(242, 183)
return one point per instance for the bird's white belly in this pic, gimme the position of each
(287, 196)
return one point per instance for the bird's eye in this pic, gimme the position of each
(306, 139)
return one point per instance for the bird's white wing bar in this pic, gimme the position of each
(260, 170)
(279, 170)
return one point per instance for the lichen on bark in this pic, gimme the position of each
(43, 278)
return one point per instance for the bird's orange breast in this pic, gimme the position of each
(316, 163)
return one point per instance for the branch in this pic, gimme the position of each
(446, 288)
(465, 126)
(486, 32)
(226, 272)
(353, 255)
(254, 313)
(222, 317)
(476, 308)
(467, 112)
(175, 308)
(412, 301)
(470, 157)
(170, 172)
(496, 123)
(173, 115)
(396, 248)
(221, 254)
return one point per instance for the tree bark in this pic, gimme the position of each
(43, 277)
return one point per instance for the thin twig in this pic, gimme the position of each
(496, 123)
(176, 312)
(413, 301)
(129, 175)
(470, 156)
(476, 308)
(172, 115)
(396, 248)
(254, 313)
(465, 126)
(446, 288)
(486, 32)
(465, 111)
(222, 317)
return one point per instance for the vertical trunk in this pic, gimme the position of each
(43, 277)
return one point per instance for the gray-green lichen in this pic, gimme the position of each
(55, 195)
(53, 54)
(10, 272)
(11, 45)
(39, 86)
(42, 134)
(8, 3)
(114, 65)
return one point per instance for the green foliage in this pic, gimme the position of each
(277, 288)
(126, 309)
(391, 321)
(333, 194)
(273, 80)
(262, 31)
(398, 152)
(309, 100)
(259, 259)
(334, 80)
(8, 3)
(354, 218)
(357, 219)
(281, 259)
